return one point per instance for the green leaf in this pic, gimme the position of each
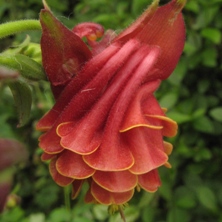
(176, 214)
(26, 66)
(203, 85)
(169, 100)
(177, 76)
(216, 113)
(207, 197)
(198, 113)
(60, 215)
(204, 124)
(148, 214)
(38, 217)
(100, 212)
(203, 154)
(184, 197)
(179, 117)
(14, 215)
(14, 49)
(209, 57)
(131, 214)
(212, 34)
(23, 100)
(192, 6)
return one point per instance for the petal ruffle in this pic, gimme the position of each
(113, 153)
(105, 197)
(113, 156)
(149, 181)
(47, 156)
(134, 116)
(169, 126)
(71, 165)
(146, 146)
(76, 187)
(168, 147)
(85, 136)
(81, 138)
(121, 181)
(57, 177)
(50, 142)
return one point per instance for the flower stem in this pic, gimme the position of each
(67, 198)
(122, 213)
(12, 28)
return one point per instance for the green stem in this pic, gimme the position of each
(12, 28)
(67, 197)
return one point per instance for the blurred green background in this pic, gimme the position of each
(192, 189)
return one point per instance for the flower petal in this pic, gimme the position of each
(147, 149)
(83, 78)
(90, 30)
(90, 93)
(83, 138)
(163, 27)
(134, 116)
(169, 126)
(168, 147)
(50, 142)
(89, 198)
(47, 156)
(115, 181)
(76, 187)
(57, 177)
(149, 181)
(113, 149)
(67, 51)
(114, 155)
(108, 198)
(72, 165)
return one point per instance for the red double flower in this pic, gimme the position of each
(106, 127)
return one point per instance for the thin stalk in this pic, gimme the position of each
(67, 198)
(122, 214)
(12, 28)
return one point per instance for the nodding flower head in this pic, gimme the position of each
(106, 127)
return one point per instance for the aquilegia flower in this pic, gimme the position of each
(106, 127)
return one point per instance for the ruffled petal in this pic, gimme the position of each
(149, 181)
(81, 138)
(169, 126)
(134, 116)
(47, 156)
(168, 147)
(57, 177)
(163, 27)
(115, 181)
(71, 165)
(76, 187)
(146, 146)
(76, 84)
(89, 198)
(85, 136)
(50, 142)
(105, 197)
(113, 153)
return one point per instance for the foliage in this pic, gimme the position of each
(191, 190)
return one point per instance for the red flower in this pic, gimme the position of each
(106, 126)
